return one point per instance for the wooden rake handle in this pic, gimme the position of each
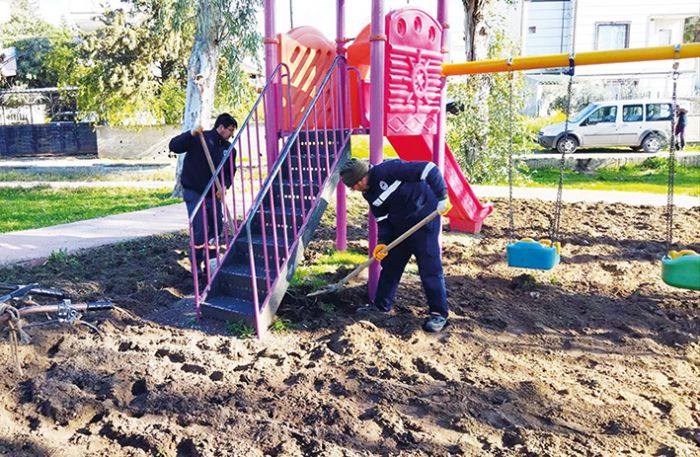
(337, 286)
(211, 163)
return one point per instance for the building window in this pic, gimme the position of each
(612, 36)
(664, 37)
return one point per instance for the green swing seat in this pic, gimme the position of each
(681, 269)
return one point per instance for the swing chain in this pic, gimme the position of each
(672, 153)
(511, 217)
(554, 229)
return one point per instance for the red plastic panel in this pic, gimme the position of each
(468, 213)
(359, 57)
(309, 55)
(412, 70)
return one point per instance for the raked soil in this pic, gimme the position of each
(595, 358)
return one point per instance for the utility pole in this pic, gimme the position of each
(291, 15)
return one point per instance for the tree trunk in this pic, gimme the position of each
(202, 72)
(476, 40)
(476, 37)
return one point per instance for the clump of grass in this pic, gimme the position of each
(327, 308)
(342, 258)
(525, 282)
(240, 329)
(282, 326)
(61, 258)
(308, 277)
(312, 276)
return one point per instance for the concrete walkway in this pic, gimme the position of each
(36, 244)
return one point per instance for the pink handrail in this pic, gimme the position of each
(284, 158)
(240, 195)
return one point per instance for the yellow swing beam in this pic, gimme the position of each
(684, 51)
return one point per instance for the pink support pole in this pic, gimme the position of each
(271, 61)
(439, 144)
(341, 216)
(376, 129)
(439, 141)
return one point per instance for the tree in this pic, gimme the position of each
(130, 69)
(38, 45)
(479, 134)
(476, 40)
(224, 29)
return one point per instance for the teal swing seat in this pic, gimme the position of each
(537, 255)
(681, 269)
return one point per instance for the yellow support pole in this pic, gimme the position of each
(685, 51)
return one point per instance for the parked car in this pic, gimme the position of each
(637, 124)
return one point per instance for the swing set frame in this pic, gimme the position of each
(679, 268)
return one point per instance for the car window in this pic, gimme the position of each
(582, 115)
(632, 113)
(659, 112)
(604, 114)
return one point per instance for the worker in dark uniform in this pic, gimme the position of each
(196, 174)
(400, 194)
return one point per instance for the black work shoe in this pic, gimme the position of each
(372, 309)
(435, 323)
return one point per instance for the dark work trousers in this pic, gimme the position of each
(191, 198)
(424, 245)
(680, 136)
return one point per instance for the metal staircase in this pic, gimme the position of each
(264, 243)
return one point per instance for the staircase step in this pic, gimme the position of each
(305, 171)
(227, 308)
(241, 250)
(281, 222)
(307, 197)
(235, 281)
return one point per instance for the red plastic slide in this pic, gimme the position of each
(467, 213)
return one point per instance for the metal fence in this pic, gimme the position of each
(52, 139)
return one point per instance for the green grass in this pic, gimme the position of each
(166, 175)
(281, 325)
(360, 148)
(639, 178)
(311, 275)
(43, 206)
(240, 330)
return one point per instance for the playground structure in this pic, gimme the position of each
(391, 84)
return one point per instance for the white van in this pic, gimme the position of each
(638, 124)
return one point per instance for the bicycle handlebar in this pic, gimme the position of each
(89, 306)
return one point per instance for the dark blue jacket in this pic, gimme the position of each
(195, 171)
(402, 193)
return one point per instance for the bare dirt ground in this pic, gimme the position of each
(594, 358)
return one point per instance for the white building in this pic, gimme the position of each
(562, 26)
